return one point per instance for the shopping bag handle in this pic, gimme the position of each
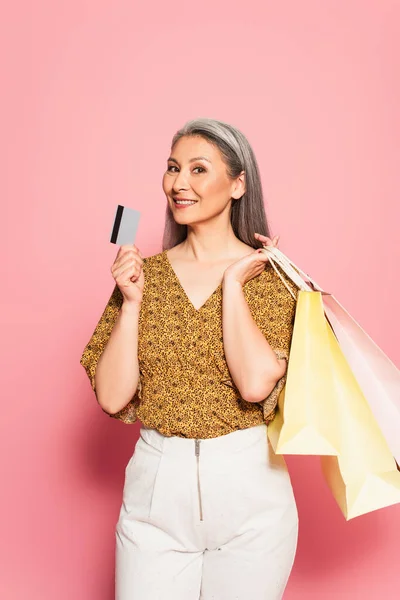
(292, 271)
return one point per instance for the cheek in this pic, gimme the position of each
(209, 186)
(166, 184)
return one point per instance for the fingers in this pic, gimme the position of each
(128, 258)
(128, 277)
(262, 255)
(128, 250)
(125, 248)
(126, 273)
(266, 241)
(130, 265)
(128, 262)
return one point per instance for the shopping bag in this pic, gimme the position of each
(317, 374)
(376, 374)
(363, 476)
(306, 419)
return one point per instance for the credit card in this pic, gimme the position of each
(125, 225)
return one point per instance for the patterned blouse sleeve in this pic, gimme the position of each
(274, 314)
(95, 347)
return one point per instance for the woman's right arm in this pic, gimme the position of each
(117, 373)
(111, 356)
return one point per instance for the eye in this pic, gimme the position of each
(170, 167)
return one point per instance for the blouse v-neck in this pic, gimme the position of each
(188, 300)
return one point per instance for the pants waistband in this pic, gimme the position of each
(233, 441)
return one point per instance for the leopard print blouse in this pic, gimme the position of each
(185, 387)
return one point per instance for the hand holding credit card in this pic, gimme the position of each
(127, 268)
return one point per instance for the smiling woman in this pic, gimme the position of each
(206, 323)
(197, 175)
(213, 163)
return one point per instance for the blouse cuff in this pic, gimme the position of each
(270, 402)
(128, 413)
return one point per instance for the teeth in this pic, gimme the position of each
(184, 202)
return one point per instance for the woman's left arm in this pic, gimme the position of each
(253, 364)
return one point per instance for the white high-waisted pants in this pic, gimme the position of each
(213, 519)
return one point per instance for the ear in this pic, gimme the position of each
(239, 187)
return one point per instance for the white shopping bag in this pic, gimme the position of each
(377, 376)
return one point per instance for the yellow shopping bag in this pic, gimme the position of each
(317, 376)
(323, 398)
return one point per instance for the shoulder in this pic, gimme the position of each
(268, 289)
(151, 262)
(279, 282)
(155, 270)
(272, 305)
(153, 259)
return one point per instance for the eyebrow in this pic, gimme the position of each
(191, 160)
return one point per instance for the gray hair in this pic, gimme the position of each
(248, 212)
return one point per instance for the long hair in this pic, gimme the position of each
(247, 213)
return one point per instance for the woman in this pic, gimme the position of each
(194, 343)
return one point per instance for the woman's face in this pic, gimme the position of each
(202, 180)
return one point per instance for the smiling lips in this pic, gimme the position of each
(184, 202)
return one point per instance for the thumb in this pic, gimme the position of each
(262, 254)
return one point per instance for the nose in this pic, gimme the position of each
(180, 182)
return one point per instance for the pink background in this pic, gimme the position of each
(92, 94)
